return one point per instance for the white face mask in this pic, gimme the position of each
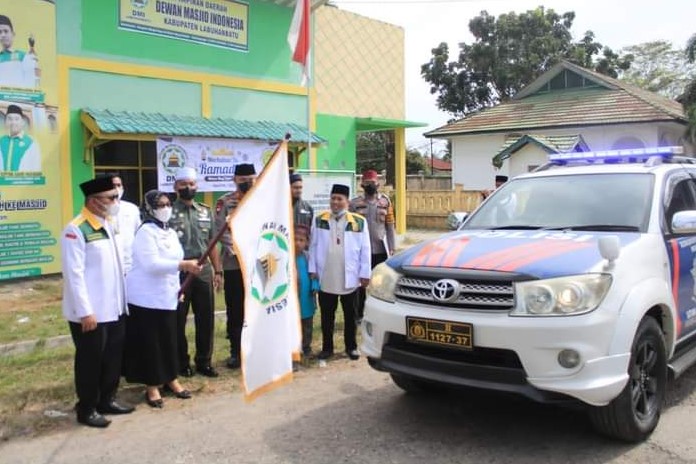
(113, 208)
(163, 214)
(120, 192)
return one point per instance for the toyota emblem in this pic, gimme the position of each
(445, 290)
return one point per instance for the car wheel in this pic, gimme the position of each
(412, 385)
(633, 415)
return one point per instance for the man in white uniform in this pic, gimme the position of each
(94, 302)
(339, 256)
(125, 224)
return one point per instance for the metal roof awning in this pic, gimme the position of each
(106, 125)
(377, 124)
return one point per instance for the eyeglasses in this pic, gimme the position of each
(163, 205)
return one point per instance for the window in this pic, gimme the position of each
(134, 162)
(680, 197)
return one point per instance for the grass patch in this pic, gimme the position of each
(31, 309)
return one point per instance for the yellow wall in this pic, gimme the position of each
(359, 65)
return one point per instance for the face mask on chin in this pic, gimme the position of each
(338, 214)
(163, 214)
(187, 193)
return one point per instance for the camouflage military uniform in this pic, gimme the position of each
(234, 284)
(380, 222)
(195, 228)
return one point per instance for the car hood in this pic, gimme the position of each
(541, 254)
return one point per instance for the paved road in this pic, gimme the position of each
(347, 413)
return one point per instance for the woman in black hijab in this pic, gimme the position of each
(153, 284)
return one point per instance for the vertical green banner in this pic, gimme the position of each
(30, 197)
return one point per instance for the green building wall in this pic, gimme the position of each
(339, 152)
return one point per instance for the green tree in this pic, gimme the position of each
(371, 151)
(658, 67)
(508, 53)
(415, 162)
(688, 98)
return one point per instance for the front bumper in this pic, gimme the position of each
(514, 354)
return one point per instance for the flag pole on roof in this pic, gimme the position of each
(299, 39)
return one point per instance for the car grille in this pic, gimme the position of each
(489, 295)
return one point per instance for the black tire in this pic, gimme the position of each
(412, 385)
(634, 414)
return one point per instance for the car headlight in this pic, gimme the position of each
(561, 296)
(383, 282)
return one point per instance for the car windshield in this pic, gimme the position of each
(606, 202)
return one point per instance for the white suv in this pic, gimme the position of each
(577, 281)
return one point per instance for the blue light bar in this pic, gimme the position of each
(630, 155)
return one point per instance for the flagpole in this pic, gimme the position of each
(308, 71)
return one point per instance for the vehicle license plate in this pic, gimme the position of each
(436, 332)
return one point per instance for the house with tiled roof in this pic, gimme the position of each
(568, 108)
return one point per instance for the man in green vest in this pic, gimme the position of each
(18, 151)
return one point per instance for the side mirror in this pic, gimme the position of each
(455, 219)
(609, 247)
(684, 222)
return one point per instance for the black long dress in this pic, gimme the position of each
(150, 352)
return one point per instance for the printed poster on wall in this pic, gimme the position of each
(30, 210)
(222, 23)
(213, 159)
(316, 186)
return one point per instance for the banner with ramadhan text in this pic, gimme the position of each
(213, 159)
(223, 23)
(263, 242)
(30, 194)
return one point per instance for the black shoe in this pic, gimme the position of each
(354, 355)
(324, 354)
(208, 371)
(186, 371)
(114, 407)
(234, 363)
(93, 419)
(158, 403)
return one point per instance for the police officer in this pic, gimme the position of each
(303, 213)
(377, 209)
(94, 302)
(193, 223)
(244, 178)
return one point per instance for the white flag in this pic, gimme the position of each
(263, 240)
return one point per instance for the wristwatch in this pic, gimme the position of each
(218, 272)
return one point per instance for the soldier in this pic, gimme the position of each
(194, 225)
(244, 177)
(303, 213)
(94, 303)
(377, 209)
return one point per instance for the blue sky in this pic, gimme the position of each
(616, 23)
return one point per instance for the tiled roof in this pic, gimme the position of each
(551, 143)
(440, 165)
(612, 102)
(111, 122)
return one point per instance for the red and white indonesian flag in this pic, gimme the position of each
(298, 36)
(263, 240)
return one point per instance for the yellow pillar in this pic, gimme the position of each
(400, 179)
(207, 112)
